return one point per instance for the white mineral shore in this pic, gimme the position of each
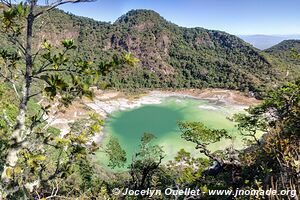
(105, 107)
(105, 103)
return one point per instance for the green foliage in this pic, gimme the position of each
(197, 132)
(13, 17)
(55, 157)
(282, 105)
(53, 131)
(284, 55)
(148, 151)
(170, 56)
(250, 126)
(145, 164)
(271, 161)
(117, 156)
(187, 169)
(69, 78)
(33, 156)
(277, 154)
(68, 44)
(287, 51)
(8, 113)
(181, 57)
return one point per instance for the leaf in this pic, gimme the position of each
(95, 128)
(197, 132)
(40, 157)
(47, 45)
(9, 172)
(18, 170)
(130, 59)
(69, 44)
(62, 141)
(32, 163)
(204, 189)
(117, 156)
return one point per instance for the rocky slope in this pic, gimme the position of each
(170, 56)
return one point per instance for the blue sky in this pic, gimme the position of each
(238, 17)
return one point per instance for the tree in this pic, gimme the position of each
(187, 172)
(223, 162)
(117, 156)
(197, 133)
(270, 161)
(277, 153)
(145, 163)
(51, 72)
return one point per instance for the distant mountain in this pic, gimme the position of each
(170, 56)
(266, 41)
(284, 47)
(283, 51)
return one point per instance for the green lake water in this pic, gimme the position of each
(161, 120)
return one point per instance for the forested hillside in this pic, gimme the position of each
(170, 56)
(283, 50)
(38, 77)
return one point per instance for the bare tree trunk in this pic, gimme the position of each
(18, 140)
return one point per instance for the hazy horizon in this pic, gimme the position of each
(235, 17)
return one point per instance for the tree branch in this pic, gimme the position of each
(5, 78)
(59, 3)
(35, 94)
(13, 40)
(7, 3)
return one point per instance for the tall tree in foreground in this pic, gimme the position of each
(271, 161)
(275, 159)
(145, 164)
(46, 71)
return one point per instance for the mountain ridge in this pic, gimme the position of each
(285, 45)
(264, 42)
(171, 56)
(283, 51)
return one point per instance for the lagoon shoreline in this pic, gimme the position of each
(106, 102)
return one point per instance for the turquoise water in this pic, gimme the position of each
(161, 120)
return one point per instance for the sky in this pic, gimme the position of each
(239, 17)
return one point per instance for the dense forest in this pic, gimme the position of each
(139, 50)
(284, 50)
(170, 56)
